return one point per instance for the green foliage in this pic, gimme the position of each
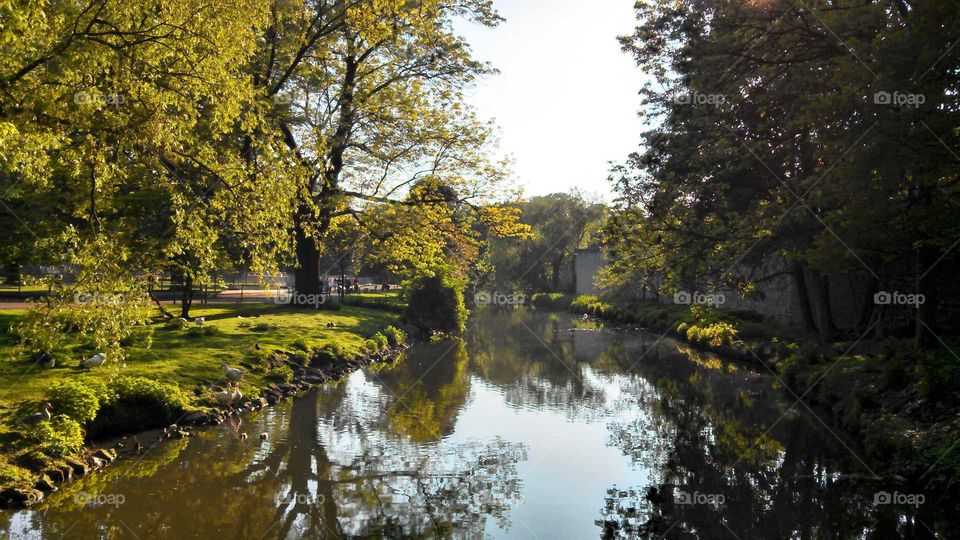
(939, 375)
(435, 303)
(328, 354)
(61, 437)
(381, 340)
(263, 327)
(204, 331)
(76, 399)
(149, 393)
(177, 323)
(281, 373)
(395, 336)
(552, 301)
(301, 345)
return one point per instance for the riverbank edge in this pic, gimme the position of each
(895, 444)
(95, 458)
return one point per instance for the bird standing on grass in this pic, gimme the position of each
(233, 374)
(96, 360)
(42, 416)
(199, 321)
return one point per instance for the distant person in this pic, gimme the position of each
(356, 284)
(385, 287)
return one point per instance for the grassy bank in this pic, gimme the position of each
(902, 406)
(172, 369)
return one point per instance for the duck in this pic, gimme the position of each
(243, 436)
(331, 324)
(199, 321)
(224, 397)
(42, 416)
(46, 360)
(263, 436)
(233, 374)
(96, 360)
(257, 346)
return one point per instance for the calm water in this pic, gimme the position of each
(535, 426)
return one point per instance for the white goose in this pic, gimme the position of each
(199, 321)
(96, 360)
(233, 374)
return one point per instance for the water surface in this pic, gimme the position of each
(534, 426)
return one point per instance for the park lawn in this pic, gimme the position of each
(389, 297)
(178, 357)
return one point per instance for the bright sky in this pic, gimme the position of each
(566, 96)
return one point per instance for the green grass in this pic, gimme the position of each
(179, 357)
(184, 357)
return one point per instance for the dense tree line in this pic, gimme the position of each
(138, 138)
(824, 134)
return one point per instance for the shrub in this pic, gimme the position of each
(204, 331)
(939, 376)
(300, 345)
(177, 324)
(75, 399)
(395, 336)
(150, 391)
(138, 403)
(551, 301)
(435, 303)
(370, 347)
(328, 354)
(381, 340)
(263, 327)
(279, 373)
(60, 437)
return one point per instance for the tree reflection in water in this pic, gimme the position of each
(437, 446)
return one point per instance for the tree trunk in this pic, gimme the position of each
(806, 313)
(186, 296)
(821, 305)
(306, 277)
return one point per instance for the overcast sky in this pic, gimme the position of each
(566, 96)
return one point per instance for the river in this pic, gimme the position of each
(535, 425)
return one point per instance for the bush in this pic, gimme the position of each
(551, 301)
(75, 399)
(301, 345)
(177, 324)
(204, 331)
(328, 354)
(263, 327)
(60, 437)
(381, 340)
(395, 336)
(139, 403)
(435, 303)
(939, 376)
(279, 373)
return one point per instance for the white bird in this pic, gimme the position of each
(585, 317)
(42, 416)
(94, 361)
(233, 374)
(199, 321)
(224, 397)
